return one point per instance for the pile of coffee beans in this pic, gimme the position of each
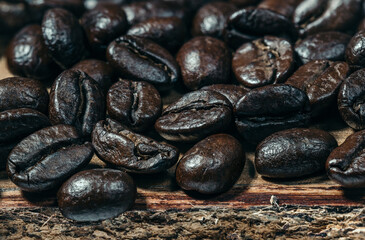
(247, 73)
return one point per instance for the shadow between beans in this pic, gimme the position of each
(41, 199)
(318, 177)
(355, 194)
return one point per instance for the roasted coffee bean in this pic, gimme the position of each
(27, 55)
(98, 70)
(204, 61)
(269, 109)
(195, 116)
(294, 153)
(102, 25)
(91, 4)
(46, 158)
(284, 7)
(136, 105)
(13, 16)
(232, 92)
(313, 16)
(264, 61)
(346, 164)
(351, 100)
(321, 80)
(141, 59)
(212, 165)
(324, 45)
(355, 51)
(17, 92)
(130, 151)
(63, 36)
(41, 6)
(168, 32)
(96, 194)
(212, 18)
(76, 99)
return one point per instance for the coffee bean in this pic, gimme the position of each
(91, 4)
(135, 104)
(141, 59)
(204, 61)
(346, 164)
(46, 158)
(355, 51)
(264, 61)
(76, 99)
(269, 109)
(294, 153)
(232, 92)
(195, 116)
(130, 151)
(96, 194)
(321, 80)
(212, 165)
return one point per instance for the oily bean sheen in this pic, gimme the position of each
(346, 164)
(194, 116)
(46, 158)
(91, 4)
(264, 61)
(355, 51)
(265, 110)
(324, 45)
(351, 100)
(63, 36)
(76, 99)
(27, 55)
(232, 92)
(141, 59)
(212, 165)
(130, 151)
(294, 153)
(96, 194)
(321, 80)
(136, 105)
(204, 61)
(17, 92)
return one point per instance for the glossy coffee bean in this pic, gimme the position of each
(323, 46)
(46, 158)
(204, 61)
(102, 25)
(294, 153)
(17, 92)
(168, 32)
(312, 16)
(269, 109)
(130, 151)
(321, 80)
(136, 105)
(346, 164)
(232, 92)
(195, 116)
(212, 165)
(76, 99)
(283, 7)
(212, 18)
(96, 194)
(27, 55)
(140, 59)
(63, 36)
(264, 61)
(355, 51)
(351, 100)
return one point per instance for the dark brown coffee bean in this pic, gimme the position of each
(195, 116)
(264, 61)
(232, 92)
(168, 32)
(323, 46)
(294, 153)
(204, 61)
(351, 100)
(141, 59)
(136, 105)
(63, 36)
(321, 80)
(346, 164)
(269, 109)
(46, 158)
(76, 99)
(130, 151)
(17, 92)
(96, 194)
(355, 51)
(212, 165)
